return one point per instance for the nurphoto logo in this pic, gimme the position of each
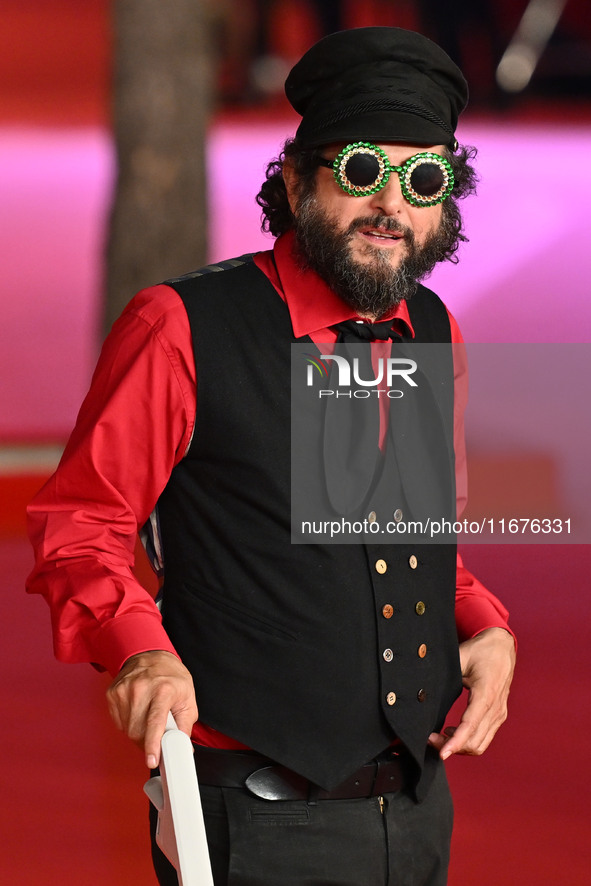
(341, 373)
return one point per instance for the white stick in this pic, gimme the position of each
(180, 832)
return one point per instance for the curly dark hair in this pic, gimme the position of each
(277, 217)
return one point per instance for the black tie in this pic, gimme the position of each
(353, 331)
(352, 426)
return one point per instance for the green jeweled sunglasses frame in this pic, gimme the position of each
(385, 169)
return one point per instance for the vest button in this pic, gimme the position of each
(388, 655)
(391, 698)
(421, 695)
(372, 517)
(422, 650)
(413, 562)
(420, 608)
(381, 566)
(387, 611)
(397, 515)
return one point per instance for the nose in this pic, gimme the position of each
(389, 200)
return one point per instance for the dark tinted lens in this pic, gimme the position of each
(362, 169)
(426, 179)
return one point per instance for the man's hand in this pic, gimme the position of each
(147, 687)
(487, 663)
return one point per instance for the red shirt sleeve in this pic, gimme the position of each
(460, 362)
(476, 607)
(133, 427)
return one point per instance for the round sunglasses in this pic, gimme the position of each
(361, 168)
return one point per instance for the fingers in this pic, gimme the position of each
(155, 724)
(148, 686)
(474, 733)
(437, 740)
(487, 662)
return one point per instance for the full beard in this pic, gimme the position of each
(372, 288)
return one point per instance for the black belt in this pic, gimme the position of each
(266, 779)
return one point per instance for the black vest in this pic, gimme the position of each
(287, 644)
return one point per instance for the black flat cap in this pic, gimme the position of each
(379, 84)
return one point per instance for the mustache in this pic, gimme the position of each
(385, 222)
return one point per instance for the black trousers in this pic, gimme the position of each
(255, 842)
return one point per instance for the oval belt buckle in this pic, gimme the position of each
(277, 783)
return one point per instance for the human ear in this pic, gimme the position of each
(290, 178)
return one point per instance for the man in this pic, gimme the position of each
(323, 672)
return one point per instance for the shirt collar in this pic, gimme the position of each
(312, 305)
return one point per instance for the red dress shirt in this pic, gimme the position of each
(134, 426)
